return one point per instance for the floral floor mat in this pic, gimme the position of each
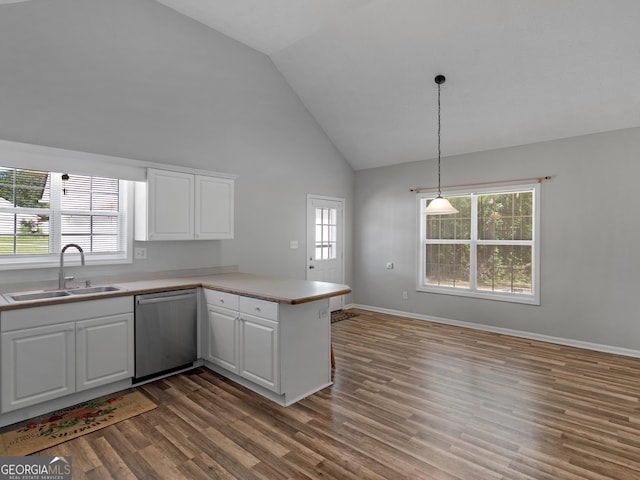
(46, 431)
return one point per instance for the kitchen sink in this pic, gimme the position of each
(24, 297)
(44, 295)
(88, 290)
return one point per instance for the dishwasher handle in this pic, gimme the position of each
(169, 298)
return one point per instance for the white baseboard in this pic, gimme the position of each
(627, 352)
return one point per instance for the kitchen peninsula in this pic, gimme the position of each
(270, 335)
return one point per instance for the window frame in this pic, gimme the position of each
(125, 216)
(472, 291)
(326, 234)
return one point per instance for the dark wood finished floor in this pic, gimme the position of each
(411, 399)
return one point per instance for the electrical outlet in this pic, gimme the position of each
(140, 253)
(405, 296)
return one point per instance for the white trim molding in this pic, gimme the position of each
(598, 347)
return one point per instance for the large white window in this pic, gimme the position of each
(41, 212)
(490, 249)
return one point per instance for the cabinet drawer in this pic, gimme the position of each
(221, 299)
(259, 308)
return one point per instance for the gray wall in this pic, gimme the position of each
(134, 79)
(589, 225)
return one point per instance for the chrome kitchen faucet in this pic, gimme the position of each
(62, 280)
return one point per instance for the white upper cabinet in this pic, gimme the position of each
(214, 208)
(169, 206)
(183, 206)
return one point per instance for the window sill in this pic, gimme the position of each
(50, 261)
(497, 296)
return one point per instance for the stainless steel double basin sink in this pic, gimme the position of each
(47, 294)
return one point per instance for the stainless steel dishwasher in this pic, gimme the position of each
(165, 332)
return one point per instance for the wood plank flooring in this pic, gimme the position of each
(410, 400)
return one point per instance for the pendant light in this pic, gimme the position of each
(439, 205)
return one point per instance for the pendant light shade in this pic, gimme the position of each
(439, 205)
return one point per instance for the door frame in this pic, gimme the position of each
(341, 237)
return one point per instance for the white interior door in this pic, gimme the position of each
(325, 238)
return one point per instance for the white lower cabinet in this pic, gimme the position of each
(278, 350)
(102, 350)
(38, 364)
(53, 351)
(222, 338)
(259, 358)
(244, 343)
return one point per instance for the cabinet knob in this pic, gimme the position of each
(257, 309)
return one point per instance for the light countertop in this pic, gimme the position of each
(280, 290)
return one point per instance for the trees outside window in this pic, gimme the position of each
(489, 249)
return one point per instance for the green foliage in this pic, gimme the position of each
(31, 244)
(451, 227)
(23, 188)
(506, 216)
(448, 265)
(504, 267)
(29, 227)
(503, 217)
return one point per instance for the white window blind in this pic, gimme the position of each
(40, 212)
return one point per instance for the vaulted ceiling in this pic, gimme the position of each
(518, 71)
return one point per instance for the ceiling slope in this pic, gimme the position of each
(518, 71)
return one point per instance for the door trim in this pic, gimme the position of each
(341, 238)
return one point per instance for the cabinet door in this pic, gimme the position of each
(104, 350)
(214, 208)
(222, 343)
(38, 364)
(170, 207)
(259, 357)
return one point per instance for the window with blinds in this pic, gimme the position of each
(41, 212)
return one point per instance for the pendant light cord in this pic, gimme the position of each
(439, 191)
